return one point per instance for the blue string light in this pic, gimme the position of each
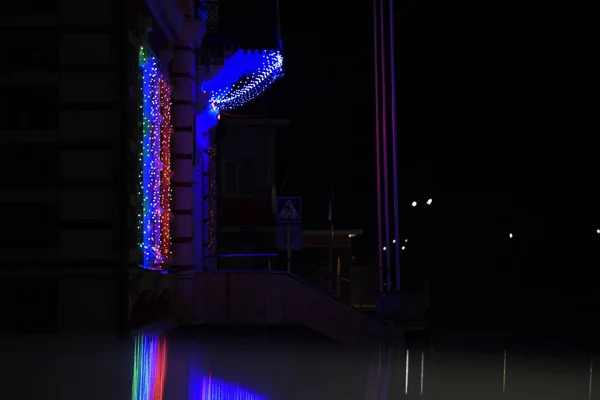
(153, 242)
(244, 76)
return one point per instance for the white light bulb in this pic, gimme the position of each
(429, 202)
(414, 203)
(393, 240)
(384, 248)
(510, 235)
(403, 247)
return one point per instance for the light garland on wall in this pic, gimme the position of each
(245, 75)
(166, 129)
(155, 165)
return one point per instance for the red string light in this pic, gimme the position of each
(166, 130)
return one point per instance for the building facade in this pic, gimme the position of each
(247, 179)
(110, 116)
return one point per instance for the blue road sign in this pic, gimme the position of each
(289, 210)
(291, 240)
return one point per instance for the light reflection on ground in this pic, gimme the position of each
(196, 364)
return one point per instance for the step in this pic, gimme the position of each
(274, 298)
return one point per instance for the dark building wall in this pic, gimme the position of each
(63, 244)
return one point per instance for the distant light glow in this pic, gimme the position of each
(598, 231)
(406, 370)
(149, 367)
(405, 240)
(510, 235)
(422, 370)
(414, 203)
(429, 202)
(384, 248)
(244, 76)
(154, 226)
(393, 240)
(591, 377)
(504, 372)
(403, 247)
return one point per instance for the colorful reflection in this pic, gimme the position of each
(202, 386)
(379, 375)
(149, 367)
(215, 389)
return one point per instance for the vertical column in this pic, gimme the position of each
(201, 143)
(184, 98)
(396, 228)
(204, 186)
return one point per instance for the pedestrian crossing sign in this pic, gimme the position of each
(289, 209)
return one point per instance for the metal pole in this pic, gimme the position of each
(385, 151)
(289, 248)
(278, 10)
(331, 238)
(394, 148)
(377, 148)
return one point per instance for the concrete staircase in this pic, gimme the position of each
(273, 298)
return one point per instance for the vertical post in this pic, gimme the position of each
(288, 245)
(394, 148)
(183, 74)
(386, 194)
(331, 239)
(377, 149)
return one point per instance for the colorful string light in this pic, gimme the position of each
(155, 165)
(245, 75)
(149, 367)
(166, 173)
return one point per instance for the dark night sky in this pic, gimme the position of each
(491, 122)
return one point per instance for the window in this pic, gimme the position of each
(30, 8)
(29, 107)
(29, 225)
(35, 166)
(30, 49)
(239, 178)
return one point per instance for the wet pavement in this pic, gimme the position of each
(279, 364)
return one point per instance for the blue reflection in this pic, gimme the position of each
(203, 386)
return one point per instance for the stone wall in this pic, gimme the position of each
(269, 299)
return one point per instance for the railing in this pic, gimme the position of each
(245, 262)
(342, 288)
